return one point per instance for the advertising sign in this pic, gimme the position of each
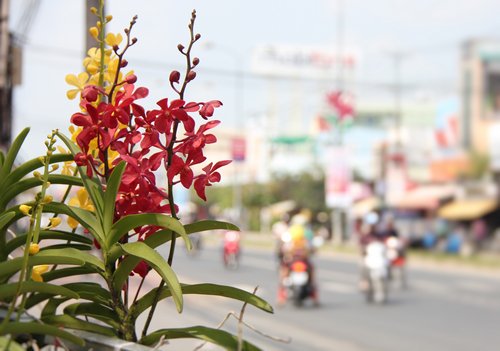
(238, 149)
(338, 178)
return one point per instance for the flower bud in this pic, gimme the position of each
(174, 77)
(124, 63)
(37, 175)
(131, 79)
(34, 249)
(197, 36)
(25, 209)
(180, 47)
(94, 32)
(191, 75)
(93, 10)
(54, 222)
(109, 18)
(134, 40)
(196, 61)
(48, 199)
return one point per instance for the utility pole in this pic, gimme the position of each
(90, 21)
(5, 77)
(397, 58)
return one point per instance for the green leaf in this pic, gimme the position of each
(202, 289)
(155, 260)
(42, 329)
(75, 323)
(73, 253)
(29, 166)
(48, 234)
(127, 223)
(209, 225)
(110, 195)
(6, 217)
(158, 238)
(9, 290)
(13, 346)
(20, 187)
(92, 292)
(86, 291)
(93, 186)
(14, 265)
(69, 272)
(214, 336)
(86, 218)
(130, 262)
(12, 154)
(96, 311)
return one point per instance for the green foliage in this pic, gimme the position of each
(98, 308)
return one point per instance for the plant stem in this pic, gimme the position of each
(170, 153)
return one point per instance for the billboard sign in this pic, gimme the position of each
(300, 61)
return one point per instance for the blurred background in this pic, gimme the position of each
(338, 108)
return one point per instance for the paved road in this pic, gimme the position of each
(441, 310)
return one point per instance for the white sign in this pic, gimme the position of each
(494, 146)
(303, 61)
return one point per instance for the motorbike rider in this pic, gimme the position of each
(297, 245)
(231, 245)
(281, 235)
(369, 233)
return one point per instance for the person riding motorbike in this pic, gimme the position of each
(297, 245)
(231, 248)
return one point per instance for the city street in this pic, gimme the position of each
(440, 310)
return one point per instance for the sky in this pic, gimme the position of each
(427, 34)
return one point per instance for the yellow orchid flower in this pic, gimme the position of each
(36, 273)
(77, 81)
(112, 39)
(81, 200)
(68, 168)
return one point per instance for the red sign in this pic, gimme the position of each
(238, 149)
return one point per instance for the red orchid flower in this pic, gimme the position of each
(210, 176)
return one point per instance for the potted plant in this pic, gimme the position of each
(117, 213)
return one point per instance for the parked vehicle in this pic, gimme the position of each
(231, 249)
(376, 268)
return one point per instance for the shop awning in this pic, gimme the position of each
(425, 197)
(467, 209)
(363, 207)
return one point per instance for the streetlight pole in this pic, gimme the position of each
(238, 111)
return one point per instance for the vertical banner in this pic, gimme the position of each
(238, 149)
(338, 178)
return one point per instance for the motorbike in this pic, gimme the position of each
(231, 249)
(376, 272)
(298, 281)
(397, 260)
